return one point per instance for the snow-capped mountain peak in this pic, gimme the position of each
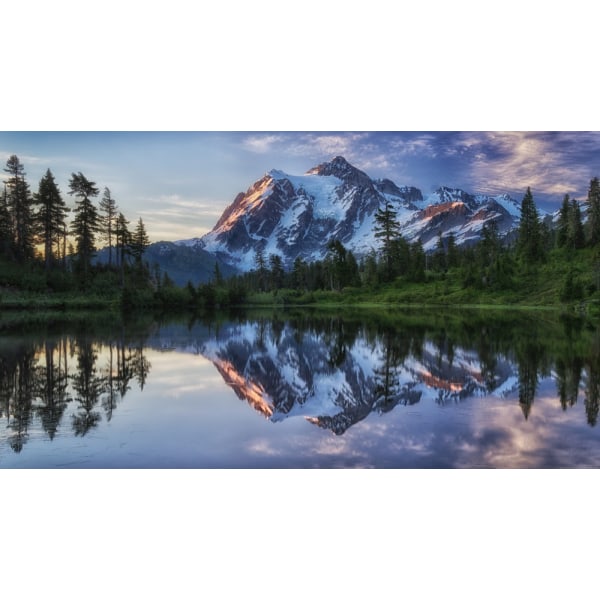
(298, 215)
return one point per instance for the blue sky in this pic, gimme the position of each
(180, 182)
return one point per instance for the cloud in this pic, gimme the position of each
(172, 217)
(261, 144)
(424, 145)
(550, 163)
(311, 145)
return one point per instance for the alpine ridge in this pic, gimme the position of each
(299, 215)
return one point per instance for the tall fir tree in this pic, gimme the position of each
(122, 244)
(108, 220)
(529, 238)
(139, 242)
(452, 253)
(261, 267)
(86, 223)
(19, 203)
(122, 238)
(562, 233)
(276, 271)
(387, 229)
(576, 235)
(50, 218)
(6, 233)
(593, 206)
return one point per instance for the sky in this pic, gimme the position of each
(180, 182)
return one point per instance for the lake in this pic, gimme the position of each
(303, 389)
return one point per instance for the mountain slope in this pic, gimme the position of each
(182, 263)
(298, 215)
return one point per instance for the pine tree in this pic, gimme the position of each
(576, 235)
(139, 242)
(19, 204)
(86, 223)
(336, 259)
(418, 261)
(439, 256)
(299, 271)
(122, 238)
(562, 235)
(108, 208)
(368, 270)
(261, 267)
(50, 218)
(452, 254)
(276, 271)
(6, 233)
(122, 244)
(387, 229)
(593, 202)
(528, 241)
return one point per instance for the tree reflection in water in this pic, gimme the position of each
(40, 379)
(335, 371)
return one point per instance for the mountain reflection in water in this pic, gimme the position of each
(333, 372)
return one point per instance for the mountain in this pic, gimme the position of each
(182, 263)
(298, 215)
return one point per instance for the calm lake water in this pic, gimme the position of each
(386, 389)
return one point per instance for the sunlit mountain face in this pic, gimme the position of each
(297, 216)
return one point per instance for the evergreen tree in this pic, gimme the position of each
(139, 242)
(564, 218)
(122, 239)
(400, 256)
(351, 275)
(370, 275)
(418, 261)
(50, 218)
(593, 203)
(276, 271)
(387, 229)
(576, 235)
(336, 260)
(439, 256)
(108, 208)
(299, 274)
(452, 253)
(86, 223)
(6, 234)
(261, 267)
(528, 240)
(19, 204)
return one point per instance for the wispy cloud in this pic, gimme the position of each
(261, 143)
(549, 163)
(173, 217)
(421, 145)
(319, 146)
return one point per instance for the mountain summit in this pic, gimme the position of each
(299, 215)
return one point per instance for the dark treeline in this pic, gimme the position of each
(41, 250)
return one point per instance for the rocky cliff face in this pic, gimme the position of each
(297, 216)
